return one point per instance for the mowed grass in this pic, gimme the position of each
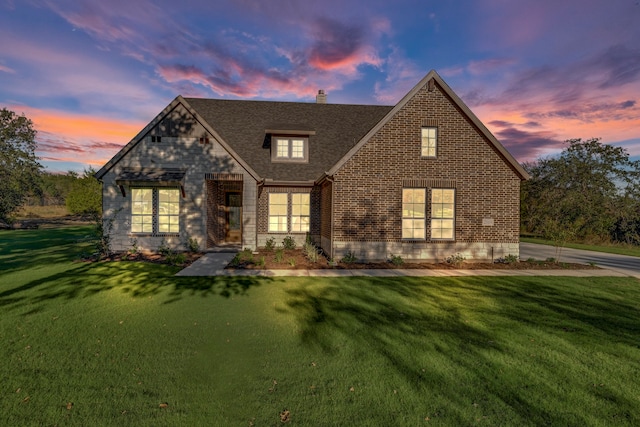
(129, 344)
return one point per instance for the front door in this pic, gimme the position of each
(233, 217)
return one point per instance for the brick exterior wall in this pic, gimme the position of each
(367, 215)
(216, 212)
(326, 217)
(263, 215)
(179, 147)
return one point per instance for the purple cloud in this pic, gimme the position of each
(527, 146)
(621, 64)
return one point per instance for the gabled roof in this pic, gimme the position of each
(509, 159)
(332, 130)
(335, 131)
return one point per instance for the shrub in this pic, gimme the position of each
(103, 229)
(134, 247)
(193, 245)
(279, 254)
(246, 255)
(261, 262)
(289, 243)
(235, 261)
(349, 258)
(396, 260)
(176, 259)
(270, 244)
(310, 251)
(292, 262)
(456, 259)
(164, 248)
(508, 259)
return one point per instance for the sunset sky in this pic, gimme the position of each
(91, 74)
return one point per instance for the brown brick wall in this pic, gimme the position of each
(368, 188)
(325, 210)
(263, 207)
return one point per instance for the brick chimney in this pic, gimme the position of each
(321, 97)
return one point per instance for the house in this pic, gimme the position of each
(423, 179)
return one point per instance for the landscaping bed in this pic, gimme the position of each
(296, 259)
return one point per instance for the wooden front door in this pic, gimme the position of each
(233, 217)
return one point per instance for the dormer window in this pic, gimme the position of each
(290, 149)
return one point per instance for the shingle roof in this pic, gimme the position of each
(243, 126)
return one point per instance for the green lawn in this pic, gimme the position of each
(611, 249)
(129, 344)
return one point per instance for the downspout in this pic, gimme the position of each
(259, 184)
(331, 248)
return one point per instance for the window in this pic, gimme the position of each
(429, 141)
(282, 147)
(290, 149)
(300, 207)
(141, 210)
(168, 210)
(155, 210)
(278, 207)
(413, 213)
(279, 212)
(297, 149)
(442, 213)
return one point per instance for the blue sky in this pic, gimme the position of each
(91, 74)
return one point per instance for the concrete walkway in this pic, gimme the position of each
(212, 264)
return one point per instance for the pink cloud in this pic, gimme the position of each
(68, 136)
(6, 69)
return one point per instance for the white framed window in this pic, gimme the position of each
(278, 208)
(297, 148)
(142, 210)
(443, 201)
(290, 149)
(168, 210)
(155, 210)
(300, 212)
(282, 148)
(413, 213)
(429, 141)
(289, 212)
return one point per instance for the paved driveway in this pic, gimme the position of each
(628, 265)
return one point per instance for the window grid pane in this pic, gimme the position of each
(442, 213)
(168, 210)
(413, 213)
(429, 141)
(282, 147)
(142, 210)
(278, 212)
(297, 149)
(300, 208)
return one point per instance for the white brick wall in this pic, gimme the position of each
(198, 160)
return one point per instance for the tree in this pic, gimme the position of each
(588, 192)
(85, 197)
(19, 167)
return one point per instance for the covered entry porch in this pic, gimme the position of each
(224, 209)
